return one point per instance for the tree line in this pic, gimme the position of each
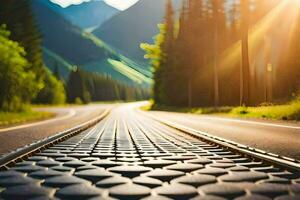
(84, 87)
(202, 57)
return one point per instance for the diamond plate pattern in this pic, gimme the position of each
(130, 156)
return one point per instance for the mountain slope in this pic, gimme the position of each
(87, 15)
(64, 39)
(77, 47)
(137, 24)
(52, 60)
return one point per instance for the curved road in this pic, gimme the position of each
(66, 118)
(129, 155)
(282, 138)
(278, 137)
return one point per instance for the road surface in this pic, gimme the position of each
(131, 156)
(282, 138)
(19, 136)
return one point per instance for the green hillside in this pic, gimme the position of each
(138, 67)
(52, 60)
(67, 44)
(119, 71)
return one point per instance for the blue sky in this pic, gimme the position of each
(119, 4)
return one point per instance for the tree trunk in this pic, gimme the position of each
(190, 93)
(216, 57)
(245, 54)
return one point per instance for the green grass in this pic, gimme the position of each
(208, 110)
(11, 118)
(280, 112)
(290, 111)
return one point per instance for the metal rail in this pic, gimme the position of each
(128, 155)
(18, 155)
(283, 162)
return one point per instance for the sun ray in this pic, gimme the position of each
(272, 23)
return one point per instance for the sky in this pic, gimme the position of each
(119, 4)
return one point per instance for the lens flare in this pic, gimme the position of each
(271, 34)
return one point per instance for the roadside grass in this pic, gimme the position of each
(110, 102)
(54, 105)
(290, 111)
(67, 105)
(15, 118)
(207, 110)
(279, 112)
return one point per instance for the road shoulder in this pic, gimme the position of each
(8, 120)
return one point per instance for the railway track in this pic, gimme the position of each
(128, 155)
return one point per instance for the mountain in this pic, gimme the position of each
(126, 30)
(66, 44)
(63, 38)
(52, 60)
(87, 15)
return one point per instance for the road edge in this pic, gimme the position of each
(274, 159)
(20, 154)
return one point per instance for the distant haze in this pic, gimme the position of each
(119, 4)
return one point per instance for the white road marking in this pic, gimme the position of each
(70, 114)
(252, 122)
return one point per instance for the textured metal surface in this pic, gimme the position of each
(130, 156)
(11, 158)
(281, 161)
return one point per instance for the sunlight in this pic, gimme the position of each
(275, 26)
(297, 2)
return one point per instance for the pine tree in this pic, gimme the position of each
(245, 100)
(217, 6)
(234, 22)
(75, 86)
(292, 73)
(193, 13)
(154, 52)
(18, 17)
(162, 57)
(183, 65)
(167, 58)
(56, 71)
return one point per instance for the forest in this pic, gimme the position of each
(85, 87)
(24, 78)
(227, 53)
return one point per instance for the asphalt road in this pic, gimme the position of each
(66, 118)
(129, 155)
(278, 137)
(282, 138)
